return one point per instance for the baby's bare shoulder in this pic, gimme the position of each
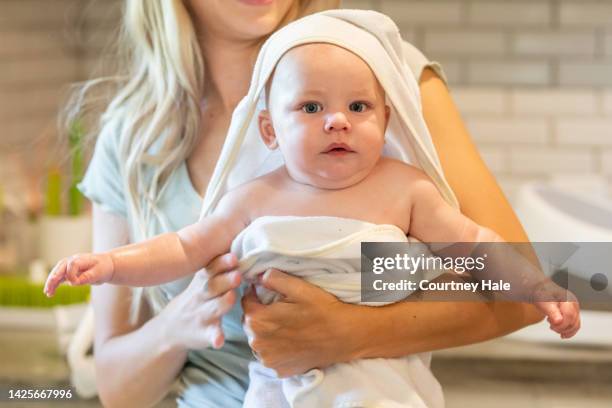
(407, 179)
(400, 172)
(246, 198)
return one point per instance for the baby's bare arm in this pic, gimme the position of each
(171, 256)
(434, 221)
(449, 233)
(164, 258)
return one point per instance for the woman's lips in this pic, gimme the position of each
(256, 2)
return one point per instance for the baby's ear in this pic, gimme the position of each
(387, 115)
(266, 130)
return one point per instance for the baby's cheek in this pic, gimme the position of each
(374, 136)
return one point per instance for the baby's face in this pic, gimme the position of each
(327, 115)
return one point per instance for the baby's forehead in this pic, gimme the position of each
(320, 58)
(317, 53)
(321, 66)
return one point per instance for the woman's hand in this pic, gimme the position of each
(302, 330)
(193, 318)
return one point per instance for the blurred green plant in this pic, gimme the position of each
(75, 138)
(53, 198)
(54, 192)
(18, 291)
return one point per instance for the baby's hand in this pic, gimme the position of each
(83, 269)
(561, 308)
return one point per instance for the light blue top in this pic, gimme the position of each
(210, 378)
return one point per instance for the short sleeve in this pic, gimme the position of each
(418, 62)
(103, 181)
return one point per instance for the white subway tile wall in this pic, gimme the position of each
(542, 102)
(509, 13)
(509, 131)
(607, 103)
(461, 42)
(532, 78)
(607, 162)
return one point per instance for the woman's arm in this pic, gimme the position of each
(311, 328)
(464, 168)
(136, 363)
(140, 375)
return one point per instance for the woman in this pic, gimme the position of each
(190, 63)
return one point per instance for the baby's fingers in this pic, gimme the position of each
(57, 276)
(571, 319)
(571, 333)
(80, 270)
(90, 276)
(569, 315)
(552, 312)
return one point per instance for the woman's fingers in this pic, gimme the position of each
(290, 287)
(250, 306)
(222, 263)
(217, 279)
(250, 302)
(293, 335)
(218, 285)
(215, 308)
(216, 336)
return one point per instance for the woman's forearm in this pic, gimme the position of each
(410, 327)
(135, 364)
(148, 363)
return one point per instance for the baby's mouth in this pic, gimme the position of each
(338, 148)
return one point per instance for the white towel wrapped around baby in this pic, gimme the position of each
(326, 251)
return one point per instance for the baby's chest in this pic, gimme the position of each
(371, 207)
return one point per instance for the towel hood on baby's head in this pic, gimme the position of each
(375, 39)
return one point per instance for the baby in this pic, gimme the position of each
(327, 115)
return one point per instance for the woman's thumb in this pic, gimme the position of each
(286, 285)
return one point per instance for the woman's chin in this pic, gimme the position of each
(241, 19)
(256, 3)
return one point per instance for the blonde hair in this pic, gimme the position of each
(155, 99)
(155, 105)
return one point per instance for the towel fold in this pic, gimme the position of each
(326, 251)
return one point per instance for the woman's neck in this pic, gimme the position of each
(229, 65)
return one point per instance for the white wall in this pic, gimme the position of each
(532, 78)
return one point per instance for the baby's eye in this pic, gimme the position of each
(358, 106)
(312, 107)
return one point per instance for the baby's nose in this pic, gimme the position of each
(337, 122)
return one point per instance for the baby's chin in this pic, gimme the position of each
(332, 181)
